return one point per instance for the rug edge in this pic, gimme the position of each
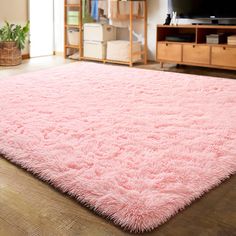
(114, 220)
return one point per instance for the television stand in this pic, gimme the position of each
(213, 24)
(197, 53)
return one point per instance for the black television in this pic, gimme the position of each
(204, 9)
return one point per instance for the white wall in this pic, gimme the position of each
(14, 11)
(58, 25)
(157, 10)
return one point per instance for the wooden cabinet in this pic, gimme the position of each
(224, 56)
(169, 52)
(197, 53)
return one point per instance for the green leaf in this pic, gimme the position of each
(14, 33)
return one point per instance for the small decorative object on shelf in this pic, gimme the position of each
(174, 18)
(219, 38)
(231, 40)
(168, 20)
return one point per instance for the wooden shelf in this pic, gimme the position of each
(72, 5)
(92, 59)
(73, 46)
(107, 61)
(194, 43)
(199, 26)
(73, 26)
(170, 42)
(198, 53)
(67, 46)
(117, 62)
(217, 45)
(176, 26)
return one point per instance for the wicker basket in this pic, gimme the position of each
(10, 54)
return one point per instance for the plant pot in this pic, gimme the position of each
(10, 54)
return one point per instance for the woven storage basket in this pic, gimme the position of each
(10, 54)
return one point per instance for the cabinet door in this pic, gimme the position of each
(197, 54)
(223, 56)
(169, 52)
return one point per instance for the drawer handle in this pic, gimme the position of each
(224, 48)
(167, 44)
(194, 46)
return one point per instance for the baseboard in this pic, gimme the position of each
(25, 56)
(58, 53)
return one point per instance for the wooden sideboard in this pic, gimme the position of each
(198, 52)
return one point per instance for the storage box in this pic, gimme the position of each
(73, 18)
(99, 32)
(72, 1)
(232, 40)
(119, 50)
(95, 50)
(73, 37)
(216, 38)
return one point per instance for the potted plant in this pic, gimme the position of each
(12, 41)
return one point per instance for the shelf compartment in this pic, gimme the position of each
(203, 32)
(163, 32)
(69, 51)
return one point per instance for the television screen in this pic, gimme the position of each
(203, 8)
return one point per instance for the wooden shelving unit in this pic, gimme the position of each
(198, 52)
(78, 8)
(143, 53)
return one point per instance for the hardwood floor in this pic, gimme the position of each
(31, 207)
(230, 74)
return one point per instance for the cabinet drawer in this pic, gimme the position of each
(169, 52)
(199, 54)
(224, 56)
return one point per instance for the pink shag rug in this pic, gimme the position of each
(134, 145)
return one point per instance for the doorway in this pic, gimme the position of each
(41, 16)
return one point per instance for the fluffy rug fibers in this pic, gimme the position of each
(134, 145)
